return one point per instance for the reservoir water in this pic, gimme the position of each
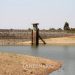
(66, 54)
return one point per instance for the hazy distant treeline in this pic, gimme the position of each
(26, 34)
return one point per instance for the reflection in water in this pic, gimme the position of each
(63, 53)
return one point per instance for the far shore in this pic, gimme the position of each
(70, 40)
(54, 41)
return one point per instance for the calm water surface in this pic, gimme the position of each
(63, 53)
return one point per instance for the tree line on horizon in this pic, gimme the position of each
(66, 27)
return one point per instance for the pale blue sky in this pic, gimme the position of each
(49, 13)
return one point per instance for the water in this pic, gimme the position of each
(63, 53)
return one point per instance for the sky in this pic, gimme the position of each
(21, 14)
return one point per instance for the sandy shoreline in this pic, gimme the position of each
(50, 41)
(61, 41)
(54, 41)
(16, 64)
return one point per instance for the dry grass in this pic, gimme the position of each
(62, 40)
(70, 40)
(54, 41)
(16, 64)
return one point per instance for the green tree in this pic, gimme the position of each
(66, 26)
